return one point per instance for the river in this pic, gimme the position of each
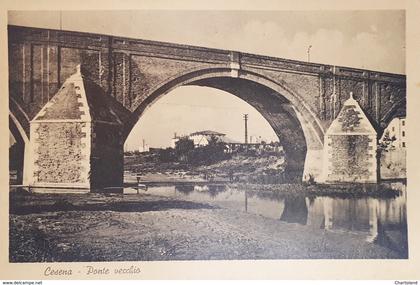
(379, 220)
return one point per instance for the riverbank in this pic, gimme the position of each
(385, 189)
(115, 227)
(244, 167)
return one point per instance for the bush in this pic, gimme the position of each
(208, 154)
(167, 155)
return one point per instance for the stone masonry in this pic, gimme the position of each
(73, 135)
(350, 147)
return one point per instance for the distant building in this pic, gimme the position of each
(144, 148)
(174, 140)
(202, 138)
(393, 160)
(397, 130)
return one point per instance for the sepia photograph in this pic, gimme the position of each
(209, 141)
(206, 135)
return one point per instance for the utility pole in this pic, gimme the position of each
(61, 20)
(309, 53)
(246, 128)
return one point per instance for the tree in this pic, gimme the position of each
(386, 143)
(166, 155)
(183, 147)
(213, 140)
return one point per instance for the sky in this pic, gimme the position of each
(369, 39)
(222, 112)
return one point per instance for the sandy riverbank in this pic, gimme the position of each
(95, 227)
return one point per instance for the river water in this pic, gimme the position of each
(379, 220)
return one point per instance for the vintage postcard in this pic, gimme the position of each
(236, 139)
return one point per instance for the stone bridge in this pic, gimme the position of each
(120, 77)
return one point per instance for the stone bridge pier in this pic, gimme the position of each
(77, 139)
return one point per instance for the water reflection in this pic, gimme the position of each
(379, 220)
(212, 189)
(295, 210)
(185, 189)
(382, 220)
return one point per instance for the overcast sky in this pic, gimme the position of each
(363, 39)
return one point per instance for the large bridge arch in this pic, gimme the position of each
(292, 120)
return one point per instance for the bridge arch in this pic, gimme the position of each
(17, 150)
(293, 121)
(397, 110)
(19, 118)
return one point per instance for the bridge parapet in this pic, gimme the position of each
(179, 51)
